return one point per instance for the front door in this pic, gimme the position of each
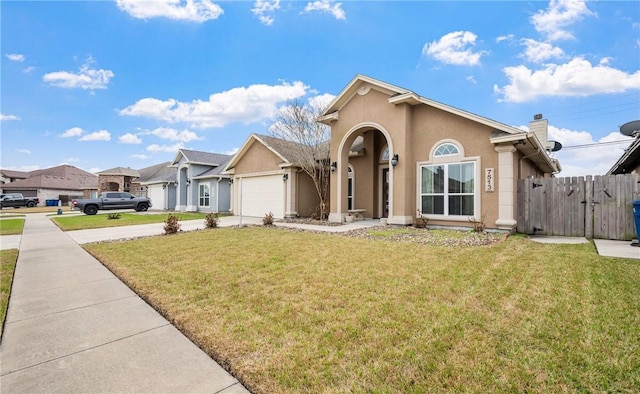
(385, 193)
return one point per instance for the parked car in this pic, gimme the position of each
(112, 200)
(17, 200)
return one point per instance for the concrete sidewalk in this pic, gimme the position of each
(73, 327)
(144, 230)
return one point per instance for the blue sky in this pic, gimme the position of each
(101, 84)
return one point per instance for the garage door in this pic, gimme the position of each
(156, 194)
(261, 195)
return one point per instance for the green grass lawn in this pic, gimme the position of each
(82, 222)
(8, 260)
(11, 226)
(289, 311)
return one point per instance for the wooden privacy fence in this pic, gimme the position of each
(598, 207)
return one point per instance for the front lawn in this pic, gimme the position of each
(11, 226)
(83, 222)
(290, 311)
(8, 259)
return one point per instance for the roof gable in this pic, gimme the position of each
(260, 139)
(199, 157)
(361, 84)
(120, 171)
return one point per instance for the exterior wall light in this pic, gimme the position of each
(334, 166)
(394, 160)
(285, 177)
(188, 182)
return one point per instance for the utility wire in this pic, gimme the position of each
(596, 144)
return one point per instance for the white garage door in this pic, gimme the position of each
(261, 195)
(156, 194)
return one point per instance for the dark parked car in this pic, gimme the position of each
(17, 200)
(112, 200)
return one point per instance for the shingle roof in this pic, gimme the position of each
(120, 171)
(160, 171)
(64, 177)
(216, 171)
(15, 174)
(194, 156)
(291, 151)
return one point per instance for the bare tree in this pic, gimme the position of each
(297, 122)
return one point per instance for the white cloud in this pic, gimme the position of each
(86, 78)
(539, 52)
(94, 170)
(71, 160)
(321, 102)
(593, 160)
(185, 10)
(327, 6)
(28, 69)
(141, 157)
(165, 148)
(264, 10)
(174, 135)
(24, 151)
(15, 57)
(246, 105)
(554, 21)
(72, 132)
(4, 117)
(455, 48)
(507, 37)
(575, 78)
(129, 138)
(102, 135)
(471, 79)
(231, 152)
(26, 168)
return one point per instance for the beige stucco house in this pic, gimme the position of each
(267, 179)
(418, 156)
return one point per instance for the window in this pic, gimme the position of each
(446, 149)
(384, 156)
(448, 189)
(350, 186)
(204, 195)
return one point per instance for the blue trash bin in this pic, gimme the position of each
(636, 215)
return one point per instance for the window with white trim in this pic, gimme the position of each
(204, 195)
(350, 186)
(448, 189)
(446, 149)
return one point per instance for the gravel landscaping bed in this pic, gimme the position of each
(410, 234)
(427, 237)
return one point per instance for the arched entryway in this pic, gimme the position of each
(363, 175)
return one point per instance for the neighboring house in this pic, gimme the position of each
(267, 180)
(629, 162)
(420, 156)
(159, 184)
(117, 179)
(56, 183)
(8, 176)
(201, 185)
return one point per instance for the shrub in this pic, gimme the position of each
(171, 225)
(478, 225)
(421, 221)
(211, 220)
(268, 219)
(113, 216)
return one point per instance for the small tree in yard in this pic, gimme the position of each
(297, 122)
